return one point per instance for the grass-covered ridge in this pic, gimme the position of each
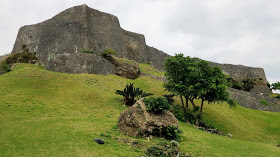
(44, 113)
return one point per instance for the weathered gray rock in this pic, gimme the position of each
(137, 121)
(80, 63)
(252, 100)
(67, 33)
(127, 68)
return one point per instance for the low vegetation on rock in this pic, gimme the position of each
(157, 105)
(25, 56)
(87, 51)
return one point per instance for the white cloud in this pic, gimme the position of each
(232, 31)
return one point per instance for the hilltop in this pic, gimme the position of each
(44, 113)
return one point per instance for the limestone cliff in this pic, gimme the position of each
(59, 41)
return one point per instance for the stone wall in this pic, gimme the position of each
(80, 27)
(252, 100)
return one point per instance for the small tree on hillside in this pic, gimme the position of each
(211, 84)
(180, 73)
(192, 78)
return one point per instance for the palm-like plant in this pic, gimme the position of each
(130, 93)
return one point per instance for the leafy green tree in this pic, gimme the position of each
(211, 85)
(193, 78)
(275, 86)
(180, 73)
(130, 93)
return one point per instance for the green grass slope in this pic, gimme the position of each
(44, 113)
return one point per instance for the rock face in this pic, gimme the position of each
(59, 41)
(252, 100)
(137, 121)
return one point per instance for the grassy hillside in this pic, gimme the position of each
(44, 113)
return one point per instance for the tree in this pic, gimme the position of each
(275, 86)
(193, 78)
(211, 84)
(180, 73)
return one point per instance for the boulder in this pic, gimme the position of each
(127, 68)
(99, 140)
(137, 121)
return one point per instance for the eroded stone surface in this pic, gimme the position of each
(137, 121)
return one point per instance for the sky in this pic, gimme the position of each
(223, 31)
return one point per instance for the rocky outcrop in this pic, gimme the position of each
(252, 100)
(80, 63)
(240, 72)
(60, 39)
(137, 121)
(127, 68)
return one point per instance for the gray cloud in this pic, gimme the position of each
(232, 31)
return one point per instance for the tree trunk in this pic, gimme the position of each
(192, 103)
(187, 102)
(182, 101)
(201, 106)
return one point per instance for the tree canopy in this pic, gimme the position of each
(193, 78)
(275, 86)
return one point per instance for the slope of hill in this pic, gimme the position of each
(45, 113)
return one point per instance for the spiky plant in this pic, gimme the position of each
(130, 93)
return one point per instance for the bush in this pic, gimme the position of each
(268, 84)
(248, 84)
(172, 133)
(108, 53)
(169, 98)
(25, 56)
(278, 96)
(87, 51)
(191, 116)
(4, 66)
(264, 102)
(232, 103)
(163, 149)
(157, 105)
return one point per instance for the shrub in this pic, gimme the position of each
(87, 51)
(157, 105)
(130, 93)
(264, 102)
(4, 66)
(172, 132)
(156, 151)
(268, 84)
(191, 116)
(232, 103)
(163, 149)
(169, 98)
(278, 96)
(25, 56)
(108, 53)
(248, 84)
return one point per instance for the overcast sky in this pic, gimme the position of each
(243, 32)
